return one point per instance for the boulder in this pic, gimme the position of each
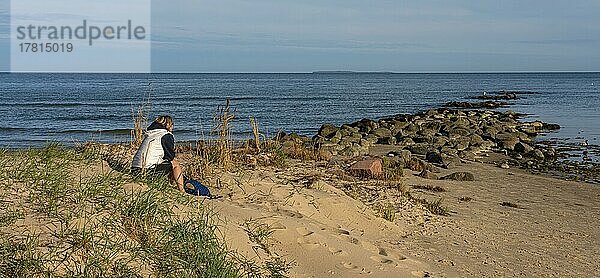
(434, 157)
(387, 140)
(458, 132)
(327, 130)
(476, 140)
(419, 148)
(537, 154)
(507, 140)
(367, 168)
(440, 141)
(406, 142)
(523, 148)
(417, 165)
(405, 155)
(550, 127)
(366, 125)
(460, 176)
(382, 132)
(426, 174)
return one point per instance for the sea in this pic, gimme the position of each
(70, 108)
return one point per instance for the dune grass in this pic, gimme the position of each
(66, 218)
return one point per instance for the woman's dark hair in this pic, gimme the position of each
(165, 120)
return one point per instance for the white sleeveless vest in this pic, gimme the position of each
(151, 152)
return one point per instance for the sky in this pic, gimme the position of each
(375, 35)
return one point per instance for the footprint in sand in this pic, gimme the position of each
(348, 266)
(278, 226)
(338, 252)
(303, 231)
(289, 213)
(382, 260)
(308, 244)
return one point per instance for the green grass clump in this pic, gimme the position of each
(429, 187)
(435, 207)
(392, 169)
(19, 257)
(388, 212)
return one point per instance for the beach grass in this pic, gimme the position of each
(69, 218)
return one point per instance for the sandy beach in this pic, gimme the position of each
(324, 223)
(328, 234)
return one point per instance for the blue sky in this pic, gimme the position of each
(376, 35)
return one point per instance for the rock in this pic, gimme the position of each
(423, 139)
(507, 140)
(398, 125)
(387, 141)
(382, 132)
(371, 138)
(476, 140)
(550, 152)
(417, 165)
(365, 143)
(467, 155)
(487, 144)
(537, 154)
(440, 141)
(458, 132)
(366, 125)
(504, 166)
(367, 168)
(490, 132)
(550, 127)
(427, 132)
(327, 130)
(405, 155)
(522, 148)
(410, 129)
(460, 176)
(470, 105)
(434, 157)
(406, 142)
(426, 174)
(353, 138)
(419, 148)
(353, 151)
(462, 144)
(518, 156)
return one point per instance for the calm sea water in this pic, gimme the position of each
(68, 108)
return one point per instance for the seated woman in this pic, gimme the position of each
(156, 154)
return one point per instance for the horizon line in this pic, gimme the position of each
(290, 72)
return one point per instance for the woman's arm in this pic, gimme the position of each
(168, 144)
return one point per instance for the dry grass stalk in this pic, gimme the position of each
(140, 120)
(254, 125)
(222, 126)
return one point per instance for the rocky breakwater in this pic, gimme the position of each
(440, 137)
